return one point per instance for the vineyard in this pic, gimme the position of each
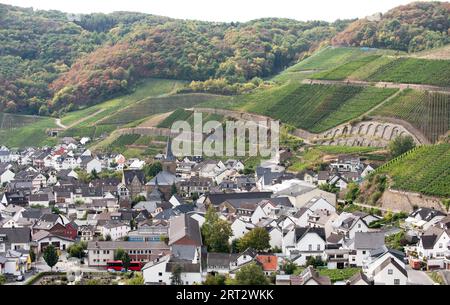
(320, 107)
(414, 71)
(428, 112)
(148, 107)
(188, 116)
(425, 169)
(177, 115)
(331, 57)
(11, 121)
(19, 131)
(345, 70)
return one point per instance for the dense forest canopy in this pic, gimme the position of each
(51, 61)
(413, 27)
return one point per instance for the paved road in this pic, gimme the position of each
(417, 277)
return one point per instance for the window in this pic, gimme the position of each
(440, 246)
(359, 225)
(390, 271)
(318, 247)
(396, 281)
(364, 252)
(310, 247)
(159, 273)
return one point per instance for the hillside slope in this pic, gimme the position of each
(425, 169)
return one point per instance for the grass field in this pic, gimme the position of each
(428, 112)
(424, 169)
(414, 71)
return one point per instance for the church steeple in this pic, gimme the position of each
(169, 153)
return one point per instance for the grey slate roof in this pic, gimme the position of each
(218, 198)
(369, 240)
(17, 235)
(301, 231)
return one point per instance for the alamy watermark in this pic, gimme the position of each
(230, 138)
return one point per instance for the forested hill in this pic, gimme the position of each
(52, 62)
(413, 27)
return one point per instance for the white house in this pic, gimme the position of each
(319, 203)
(114, 229)
(434, 243)
(349, 224)
(240, 227)
(94, 164)
(302, 243)
(160, 272)
(364, 243)
(389, 272)
(6, 176)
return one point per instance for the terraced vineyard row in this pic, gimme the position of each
(319, 107)
(343, 71)
(425, 169)
(331, 57)
(10, 121)
(428, 112)
(188, 116)
(148, 107)
(414, 71)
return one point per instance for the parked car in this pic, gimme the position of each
(20, 278)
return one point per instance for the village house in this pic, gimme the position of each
(100, 252)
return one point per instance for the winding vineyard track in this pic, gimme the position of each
(401, 86)
(61, 125)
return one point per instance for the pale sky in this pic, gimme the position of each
(224, 10)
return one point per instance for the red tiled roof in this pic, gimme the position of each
(268, 262)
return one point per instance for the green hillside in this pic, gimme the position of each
(424, 169)
(148, 107)
(428, 112)
(20, 131)
(312, 107)
(414, 71)
(188, 116)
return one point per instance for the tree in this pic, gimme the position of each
(251, 274)
(77, 250)
(218, 279)
(216, 232)
(352, 192)
(175, 278)
(2, 279)
(173, 189)
(119, 254)
(51, 256)
(289, 267)
(126, 260)
(331, 188)
(400, 145)
(137, 199)
(258, 239)
(32, 255)
(108, 237)
(152, 170)
(315, 262)
(137, 279)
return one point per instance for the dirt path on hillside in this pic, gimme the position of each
(60, 124)
(430, 88)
